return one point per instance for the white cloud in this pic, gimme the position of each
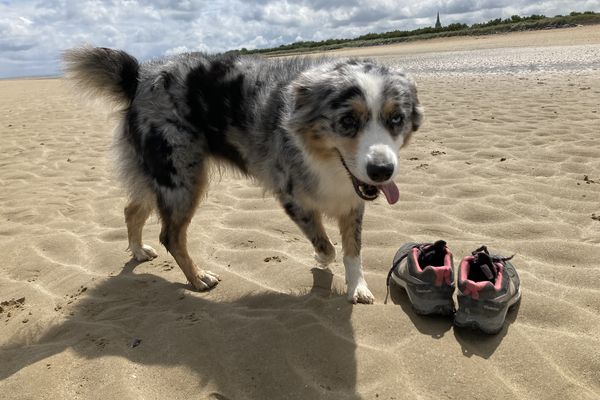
(177, 50)
(185, 49)
(34, 32)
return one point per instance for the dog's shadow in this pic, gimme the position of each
(260, 346)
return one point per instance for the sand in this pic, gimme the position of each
(507, 158)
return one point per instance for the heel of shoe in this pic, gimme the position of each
(486, 316)
(428, 299)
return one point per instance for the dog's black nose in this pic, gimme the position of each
(380, 172)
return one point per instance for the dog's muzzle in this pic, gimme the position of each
(379, 174)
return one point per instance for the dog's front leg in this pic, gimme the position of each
(309, 221)
(350, 229)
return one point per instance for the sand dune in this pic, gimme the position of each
(505, 158)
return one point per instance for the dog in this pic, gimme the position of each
(322, 135)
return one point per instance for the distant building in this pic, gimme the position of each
(438, 24)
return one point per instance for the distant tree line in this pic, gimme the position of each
(514, 23)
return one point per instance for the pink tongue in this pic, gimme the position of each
(391, 192)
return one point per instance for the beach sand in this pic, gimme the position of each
(507, 158)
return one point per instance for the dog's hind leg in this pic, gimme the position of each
(350, 229)
(176, 207)
(310, 223)
(136, 214)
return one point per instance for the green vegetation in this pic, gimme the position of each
(512, 24)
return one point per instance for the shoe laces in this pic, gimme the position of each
(432, 248)
(486, 262)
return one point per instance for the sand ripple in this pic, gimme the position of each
(510, 161)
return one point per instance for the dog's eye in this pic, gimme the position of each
(396, 119)
(348, 122)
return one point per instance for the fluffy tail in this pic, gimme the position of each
(101, 71)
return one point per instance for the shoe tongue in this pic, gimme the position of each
(487, 271)
(433, 254)
(390, 190)
(485, 263)
(440, 246)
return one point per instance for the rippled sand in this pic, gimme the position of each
(508, 159)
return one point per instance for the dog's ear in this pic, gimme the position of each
(310, 94)
(416, 118)
(417, 111)
(309, 99)
(417, 115)
(302, 94)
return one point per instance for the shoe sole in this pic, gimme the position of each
(427, 299)
(490, 325)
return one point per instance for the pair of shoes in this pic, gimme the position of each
(488, 284)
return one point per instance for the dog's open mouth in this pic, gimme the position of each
(370, 192)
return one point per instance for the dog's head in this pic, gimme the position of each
(360, 113)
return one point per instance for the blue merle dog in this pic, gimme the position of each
(321, 134)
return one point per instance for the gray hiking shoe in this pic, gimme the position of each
(488, 285)
(426, 272)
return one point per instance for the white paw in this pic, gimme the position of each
(205, 281)
(144, 253)
(360, 294)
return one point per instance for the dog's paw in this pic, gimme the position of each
(205, 281)
(325, 254)
(144, 253)
(325, 258)
(360, 294)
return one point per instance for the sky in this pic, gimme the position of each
(34, 32)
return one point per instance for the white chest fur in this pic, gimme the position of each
(335, 195)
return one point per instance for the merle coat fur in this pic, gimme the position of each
(322, 135)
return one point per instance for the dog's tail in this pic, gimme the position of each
(98, 71)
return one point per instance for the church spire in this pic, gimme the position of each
(438, 24)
